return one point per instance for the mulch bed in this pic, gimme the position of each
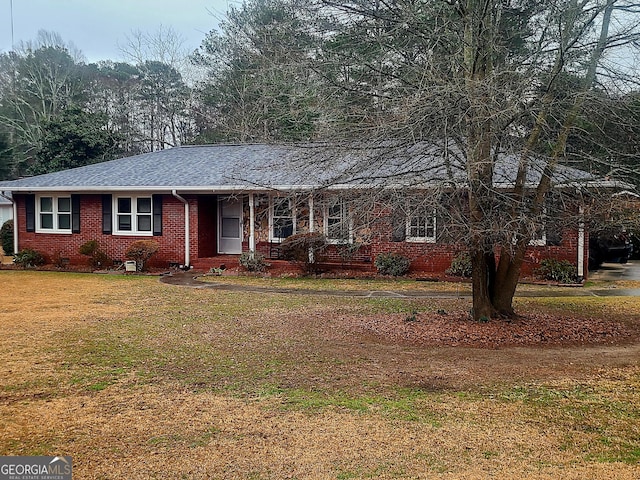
(458, 329)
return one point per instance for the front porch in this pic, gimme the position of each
(278, 266)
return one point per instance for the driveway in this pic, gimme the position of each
(617, 271)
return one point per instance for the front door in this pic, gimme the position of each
(230, 226)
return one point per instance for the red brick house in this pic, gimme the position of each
(200, 202)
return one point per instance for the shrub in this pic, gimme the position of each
(97, 257)
(253, 261)
(58, 260)
(89, 248)
(6, 237)
(392, 264)
(558, 270)
(461, 266)
(305, 248)
(141, 251)
(28, 258)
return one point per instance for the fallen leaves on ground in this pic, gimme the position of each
(458, 329)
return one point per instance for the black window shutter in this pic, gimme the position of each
(107, 222)
(157, 214)
(398, 225)
(553, 232)
(75, 213)
(30, 206)
(553, 223)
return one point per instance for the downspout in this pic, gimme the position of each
(252, 225)
(187, 241)
(15, 221)
(581, 245)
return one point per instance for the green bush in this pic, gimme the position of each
(89, 248)
(97, 257)
(141, 251)
(28, 258)
(392, 264)
(253, 261)
(557, 270)
(461, 266)
(6, 237)
(305, 248)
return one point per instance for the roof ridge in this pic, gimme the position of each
(222, 145)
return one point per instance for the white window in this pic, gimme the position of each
(281, 219)
(421, 225)
(53, 214)
(538, 237)
(337, 225)
(133, 216)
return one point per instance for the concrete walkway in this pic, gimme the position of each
(609, 272)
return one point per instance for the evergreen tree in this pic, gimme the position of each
(74, 139)
(260, 87)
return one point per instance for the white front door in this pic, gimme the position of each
(230, 226)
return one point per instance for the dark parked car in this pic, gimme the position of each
(609, 247)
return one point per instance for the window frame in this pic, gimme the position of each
(134, 214)
(540, 240)
(273, 217)
(55, 213)
(431, 221)
(345, 216)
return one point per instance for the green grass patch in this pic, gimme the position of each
(623, 452)
(406, 405)
(597, 419)
(338, 284)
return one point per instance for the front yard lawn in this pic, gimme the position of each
(137, 379)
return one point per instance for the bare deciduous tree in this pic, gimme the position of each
(37, 81)
(498, 86)
(484, 106)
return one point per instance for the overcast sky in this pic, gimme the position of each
(97, 26)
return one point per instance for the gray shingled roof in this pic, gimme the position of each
(221, 168)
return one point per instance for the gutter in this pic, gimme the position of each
(187, 240)
(157, 188)
(613, 184)
(15, 220)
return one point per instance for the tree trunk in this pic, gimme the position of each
(483, 268)
(478, 62)
(507, 277)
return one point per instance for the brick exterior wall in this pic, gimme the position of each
(66, 245)
(431, 258)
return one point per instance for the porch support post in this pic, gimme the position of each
(312, 220)
(312, 226)
(252, 224)
(187, 239)
(581, 245)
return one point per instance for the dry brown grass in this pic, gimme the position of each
(136, 379)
